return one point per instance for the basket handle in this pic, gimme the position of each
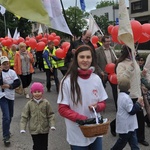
(96, 116)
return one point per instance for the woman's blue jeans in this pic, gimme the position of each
(96, 145)
(7, 107)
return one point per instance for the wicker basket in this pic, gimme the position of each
(95, 129)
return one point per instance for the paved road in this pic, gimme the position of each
(57, 139)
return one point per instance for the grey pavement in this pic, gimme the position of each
(57, 139)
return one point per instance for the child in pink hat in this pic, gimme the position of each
(40, 117)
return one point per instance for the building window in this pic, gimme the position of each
(107, 15)
(139, 6)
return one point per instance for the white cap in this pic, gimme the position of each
(3, 59)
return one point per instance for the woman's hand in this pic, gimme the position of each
(144, 72)
(140, 100)
(5, 86)
(92, 105)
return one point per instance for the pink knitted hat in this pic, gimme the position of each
(37, 86)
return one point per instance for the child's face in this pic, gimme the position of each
(37, 95)
(5, 65)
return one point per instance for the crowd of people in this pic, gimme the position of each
(83, 65)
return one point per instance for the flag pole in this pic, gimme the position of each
(5, 24)
(75, 14)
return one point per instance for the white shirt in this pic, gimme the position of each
(92, 92)
(124, 121)
(108, 55)
(8, 78)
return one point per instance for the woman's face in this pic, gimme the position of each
(23, 48)
(84, 60)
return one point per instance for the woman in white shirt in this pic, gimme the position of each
(81, 90)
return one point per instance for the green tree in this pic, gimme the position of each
(75, 20)
(9, 20)
(103, 23)
(106, 3)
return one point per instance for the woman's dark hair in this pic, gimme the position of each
(125, 53)
(73, 72)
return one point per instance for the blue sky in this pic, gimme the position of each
(90, 4)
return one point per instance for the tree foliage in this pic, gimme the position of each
(104, 4)
(9, 20)
(103, 23)
(75, 20)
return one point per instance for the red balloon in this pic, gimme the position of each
(56, 42)
(32, 43)
(136, 29)
(66, 48)
(110, 68)
(57, 37)
(95, 45)
(94, 39)
(44, 39)
(65, 44)
(60, 53)
(3, 42)
(114, 33)
(21, 39)
(146, 27)
(50, 37)
(40, 46)
(110, 28)
(113, 78)
(53, 33)
(145, 36)
(27, 42)
(15, 41)
(27, 38)
(1, 39)
(8, 42)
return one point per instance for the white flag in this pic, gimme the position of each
(2, 10)
(125, 33)
(18, 35)
(15, 34)
(40, 29)
(8, 33)
(93, 27)
(57, 19)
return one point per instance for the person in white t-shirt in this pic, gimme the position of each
(81, 90)
(8, 82)
(126, 120)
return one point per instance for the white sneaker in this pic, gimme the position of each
(27, 96)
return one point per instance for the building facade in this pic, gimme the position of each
(140, 10)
